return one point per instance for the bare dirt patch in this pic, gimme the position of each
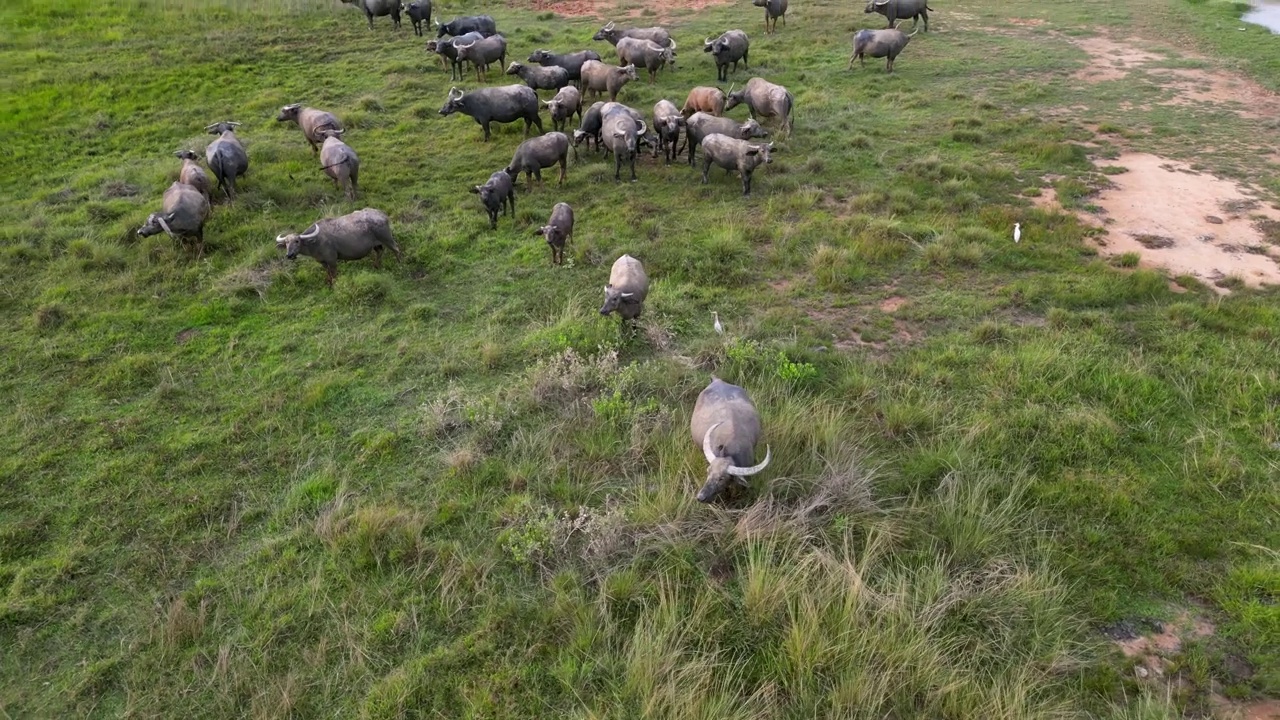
(1111, 60)
(610, 9)
(1158, 209)
(1153, 644)
(889, 305)
(1026, 22)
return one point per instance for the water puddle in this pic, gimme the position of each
(1265, 13)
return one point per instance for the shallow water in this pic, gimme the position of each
(1265, 13)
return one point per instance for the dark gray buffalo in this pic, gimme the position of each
(700, 125)
(226, 156)
(563, 106)
(482, 53)
(350, 237)
(378, 8)
(773, 9)
(498, 104)
(448, 52)
(589, 126)
(419, 12)
(538, 77)
(726, 425)
(731, 47)
(763, 100)
(182, 215)
(571, 62)
(628, 286)
(733, 154)
(537, 153)
(622, 132)
(558, 231)
(895, 10)
(879, 44)
(498, 193)
(482, 24)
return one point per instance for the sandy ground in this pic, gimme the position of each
(1187, 223)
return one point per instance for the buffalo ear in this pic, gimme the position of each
(540, 231)
(753, 151)
(475, 189)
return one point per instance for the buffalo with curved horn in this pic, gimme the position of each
(726, 425)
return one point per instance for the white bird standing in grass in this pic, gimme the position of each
(1017, 232)
(718, 326)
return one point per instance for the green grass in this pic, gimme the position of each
(449, 488)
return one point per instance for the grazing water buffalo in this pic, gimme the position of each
(311, 121)
(482, 24)
(448, 52)
(667, 121)
(705, 99)
(562, 107)
(540, 78)
(558, 231)
(729, 48)
(879, 44)
(612, 35)
(726, 425)
(350, 237)
(340, 162)
(773, 9)
(627, 288)
(571, 62)
(622, 132)
(647, 54)
(498, 193)
(419, 12)
(764, 99)
(226, 156)
(191, 173)
(598, 77)
(378, 8)
(537, 153)
(589, 126)
(701, 125)
(733, 154)
(182, 215)
(895, 10)
(481, 53)
(499, 104)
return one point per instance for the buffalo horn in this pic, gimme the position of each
(706, 443)
(745, 471)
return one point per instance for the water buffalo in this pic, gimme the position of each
(733, 154)
(726, 425)
(311, 121)
(646, 54)
(729, 48)
(349, 237)
(340, 162)
(701, 125)
(498, 193)
(563, 106)
(482, 24)
(895, 10)
(498, 104)
(628, 286)
(558, 231)
(764, 99)
(571, 62)
(226, 156)
(537, 153)
(191, 173)
(879, 44)
(612, 35)
(621, 133)
(540, 78)
(589, 126)
(419, 12)
(705, 99)
(378, 8)
(183, 213)
(773, 9)
(598, 77)
(667, 121)
(448, 52)
(481, 53)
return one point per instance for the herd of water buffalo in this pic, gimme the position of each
(725, 422)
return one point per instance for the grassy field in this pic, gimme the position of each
(449, 488)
